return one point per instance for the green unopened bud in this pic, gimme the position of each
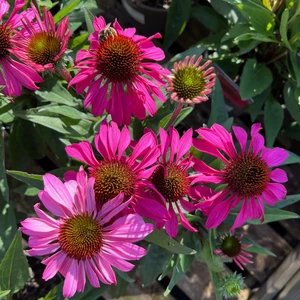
(231, 285)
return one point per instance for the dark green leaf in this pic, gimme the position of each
(29, 139)
(182, 264)
(255, 79)
(289, 200)
(154, 263)
(284, 29)
(254, 36)
(178, 15)
(209, 18)
(77, 42)
(295, 61)
(218, 112)
(182, 115)
(26, 190)
(66, 10)
(160, 238)
(256, 248)
(255, 108)
(8, 227)
(14, 267)
(236, 31)
(273, 120)
(124, 276)
(3, 182)
(33, 180)
(291, 99)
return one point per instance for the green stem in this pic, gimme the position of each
(277, 57)
(297, 13)
(173, 118)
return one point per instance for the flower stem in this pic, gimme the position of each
(174, 116)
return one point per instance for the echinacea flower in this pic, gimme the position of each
(39, 44)
(112, 70)
(246, 175)
(120, 172)
(232, 248)
(189, 82)
(83, 241)
(13, 74)
(172, 180)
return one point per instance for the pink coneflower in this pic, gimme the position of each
(112, 69)
(231, 247)
(246, 174)
(118, 172)
(39, 44)
(13, 75)
(190, 83)
(172, 180)
(83, 241)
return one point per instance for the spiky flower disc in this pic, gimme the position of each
(246, 176)
(13, 74)
(232, 247)
(39, 43)
(231, 285)
(189, 82)
(83, 241)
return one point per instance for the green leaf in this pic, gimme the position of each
(213, 261)
(273, 215)
(4, 196)
(53, 91)
(255, 79)
(292, 159)
(256, 248)
(208, 17)
(178, 15)
(262, 19)
(8, 227)
(160, 238)
(63, 110)
(88, 20)
(255, 108)
(26, 190)
(33, 180)
(124, 276)
(183, 262)
(154, 263)
(292, 100)
(215, 279)
(289, 200)
(78, 41)
(254, 36)
(14, 267)
(284, 29)
(235, 31)
(4, 293)
(182, 115)
(66, 10)
(273, 120)
(218, 112)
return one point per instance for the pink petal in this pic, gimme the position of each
(105, 269)
(53, 264)
(278, 190)
(71, 280)
(125, 250)
(187, 206)
(91, 274)
(184, 222)
(184, 144)
(111, 205)
(118, 263)
(83, 151)
(218, 214)
(241, 136)
(81, 277)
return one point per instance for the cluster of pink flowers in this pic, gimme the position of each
(99, 213)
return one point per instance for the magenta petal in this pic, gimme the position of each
(81, 277)
(241, 136)
(187, 206)
(118, 263)
(242, 216)
(172, 224)
(275, 156)
(278, 175)
(53, 264)
(106, 270)
(151, 210)
(91, 274)
(278, 190)
(218, 214)
(184, 222)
